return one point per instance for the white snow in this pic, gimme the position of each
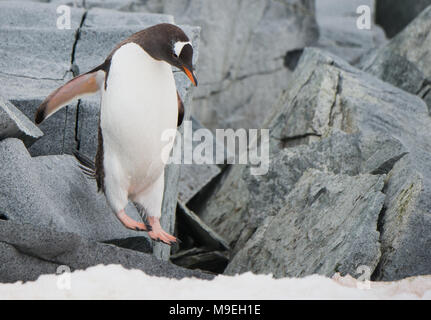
(115, 282)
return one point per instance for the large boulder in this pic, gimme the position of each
(400, 65)
(330, 95)
(31, 67)
(394, 15)
(345, 98)
(28, 251)
(52, 191)
(325, 215)
(244, 201)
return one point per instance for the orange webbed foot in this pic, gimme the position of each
(158, 234)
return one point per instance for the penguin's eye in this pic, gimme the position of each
(174, 55)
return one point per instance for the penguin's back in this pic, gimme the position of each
(139, 105)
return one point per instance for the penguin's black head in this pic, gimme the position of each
(169, 43)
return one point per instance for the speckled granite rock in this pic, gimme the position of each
(328, 225)
(244, 201)
(330, 95)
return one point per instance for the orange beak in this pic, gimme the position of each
(191, 76)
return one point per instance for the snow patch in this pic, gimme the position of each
(116, 282)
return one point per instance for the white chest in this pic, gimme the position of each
(139, 104)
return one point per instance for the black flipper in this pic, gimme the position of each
(180, 110)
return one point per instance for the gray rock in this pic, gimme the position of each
(33, 15)
(395, 15)
(219, 147)
(99, 18)
(31, 66)
(340, 8)
(330, 94)
(40, 250)
(196, 258)
(122, 5)
(401, 66)
(195, 176)
(70, 3)
(52, 191)
(328, 225)
(18, 266)
(140, 244)
(351, 100)
(405, 222)
(13, 124)
(17, 87)
(244, 201)
(169, 206)
(189, 223)
(58, 131)
(241, 65)
(26, 53)
(345, 98)
(339, 34)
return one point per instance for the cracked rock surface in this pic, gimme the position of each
(326, 215)
(244, 201)
(401, 66)
(328, 96)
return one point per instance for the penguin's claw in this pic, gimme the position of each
(163, 239)
(147, 224)
(132, 224)
(158, 234)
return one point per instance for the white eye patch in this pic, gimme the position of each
(178, 47)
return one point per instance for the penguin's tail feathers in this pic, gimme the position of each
(86, 164)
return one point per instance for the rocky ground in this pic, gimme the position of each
(349, 116)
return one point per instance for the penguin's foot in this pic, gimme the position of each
(158, 234)
(132, 224)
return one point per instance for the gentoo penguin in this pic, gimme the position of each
(139, 101)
